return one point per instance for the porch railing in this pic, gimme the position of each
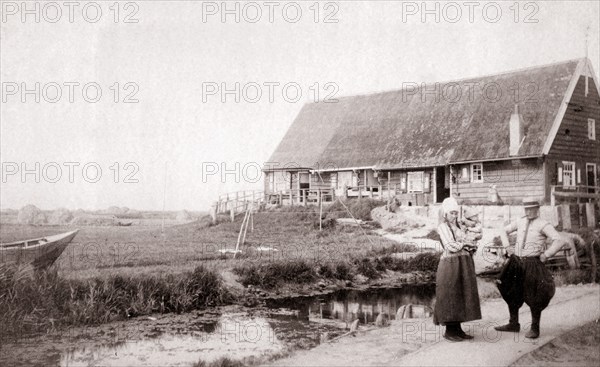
(301, 196)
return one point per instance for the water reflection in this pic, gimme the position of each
(366, 305)
(235, 335)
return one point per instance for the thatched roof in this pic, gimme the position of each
(407, 128)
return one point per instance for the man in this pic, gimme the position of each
(525, 278)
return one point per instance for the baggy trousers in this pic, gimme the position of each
(526, 280)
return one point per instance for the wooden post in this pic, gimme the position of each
(320, 212)
(249, 212)
(552, 198)
(590, 215)
(389, 186)
(213, 212)
(370, 191)
(565, 213)
(359, 192)
(345, 188)
(237, 246)
(434, 186)
(451, 187)
(319, 197)
(581, 212)
(232, 213)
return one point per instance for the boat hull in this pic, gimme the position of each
(41, 255)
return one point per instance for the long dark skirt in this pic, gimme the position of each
(456, 296)
(526, 280)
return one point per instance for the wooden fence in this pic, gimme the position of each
(580, 193)
(237, 202)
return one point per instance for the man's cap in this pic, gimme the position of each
(531, 204)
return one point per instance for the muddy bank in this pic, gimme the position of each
(168, 340)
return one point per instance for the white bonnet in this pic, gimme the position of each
(448, 205)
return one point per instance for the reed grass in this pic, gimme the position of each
(31, 302)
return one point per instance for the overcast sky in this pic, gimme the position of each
(171, 59)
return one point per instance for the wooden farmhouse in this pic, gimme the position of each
(526, 134)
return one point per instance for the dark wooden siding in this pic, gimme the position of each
(514, 180)
(576, 146)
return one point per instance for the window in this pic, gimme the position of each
(568, 174)
(591, 129)
(477, 172)
(465, 174)
(334, 180)
(415, 181)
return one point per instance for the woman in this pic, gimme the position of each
(457, 299)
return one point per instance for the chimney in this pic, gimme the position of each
(516, 131)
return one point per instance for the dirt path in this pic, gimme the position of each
(579, 347)
(417, 342)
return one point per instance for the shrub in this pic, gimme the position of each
(272, 274)
(422, 262)
(343, 271)
(221, 362)
(394, 248)
(339, 271)
(367, 268)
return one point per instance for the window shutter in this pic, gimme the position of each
(560, 174)
(427, 182)
(403, 182)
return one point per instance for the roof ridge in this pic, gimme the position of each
(520, 70)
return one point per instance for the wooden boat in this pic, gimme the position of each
(39, 252)
(124, 224)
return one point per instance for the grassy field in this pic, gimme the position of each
(145, 249)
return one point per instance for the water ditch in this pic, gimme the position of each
(282, 325)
